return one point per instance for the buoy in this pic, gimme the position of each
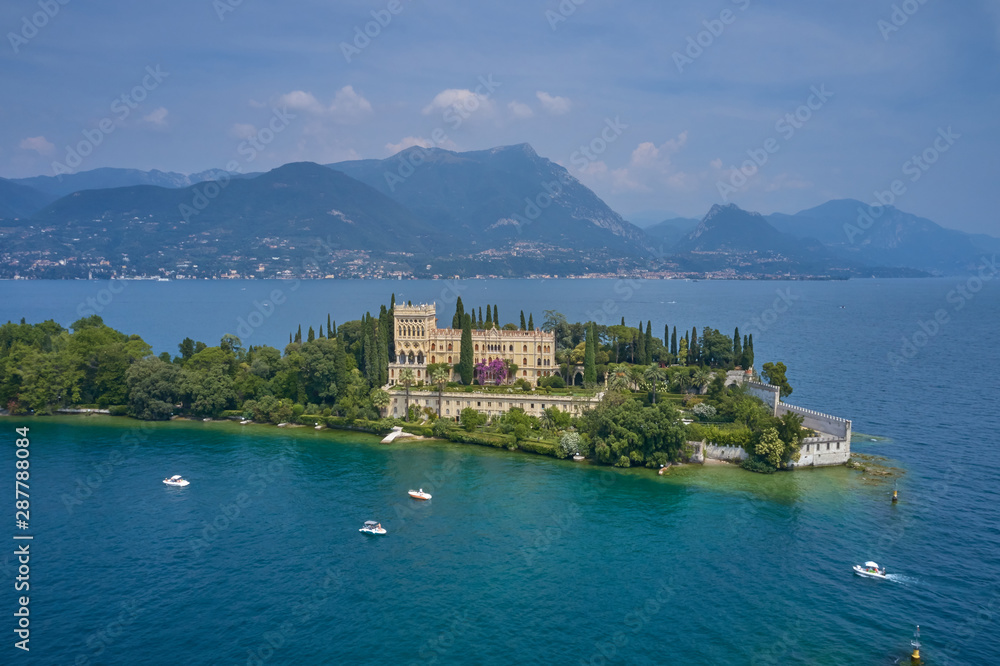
(915, 655)
(895, 497)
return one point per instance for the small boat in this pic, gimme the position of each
(869, 570)
(244, 421)
(419, 494)
(176, 480)
(371, 527)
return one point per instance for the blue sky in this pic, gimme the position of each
(468, 76)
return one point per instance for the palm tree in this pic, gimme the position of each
(406, 378)
(653, 375)
(380, 399)
(701, 378)
(618, 379)
(439, 376)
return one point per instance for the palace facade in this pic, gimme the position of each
(420, 342)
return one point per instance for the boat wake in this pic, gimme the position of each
(901, 579)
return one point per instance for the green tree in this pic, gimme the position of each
(589, 363)
(531, 322)
(489, 318)
(737, 347)
(466, 355)
(380, 398)
(152, 388)
(471, 419)
(770, 448)
(456, 320)
(329, 327)
(496, 316)
(439, 374)
(774, 374)
(653, 376)
(648, 344)
(406, 378)
(693, 347)
(673, 345)
(312, 335)
(524, 326)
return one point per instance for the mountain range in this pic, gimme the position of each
(426, 212)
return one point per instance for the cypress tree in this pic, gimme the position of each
(649, 343)
(334, 329)
(465, 363)
(673, 343)
(392, 301)
(319, 332)
(666, 337)
(289, 338)
(589, 365)
(382, 330)
(693, 346)
(312, 335)
(750, 342)
(329, 328)
(531, 322)
(524, 327)
(640, 351)
(623, 321)
(298, 335)
(496, 317)
(737, 347)
(479, 322)
(456, 321)
(489, 317)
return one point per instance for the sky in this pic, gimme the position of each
(661, 108)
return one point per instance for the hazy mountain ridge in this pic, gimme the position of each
(501, 211)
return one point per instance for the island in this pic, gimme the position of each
(614, 395)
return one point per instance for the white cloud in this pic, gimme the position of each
(520, 110)
(461, 101)
(347, 106)
(553, 104)
(157, 117)
(408, 142)
(39, 144)
(649, 169)
(243, 130)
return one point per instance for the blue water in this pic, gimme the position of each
(522, 559)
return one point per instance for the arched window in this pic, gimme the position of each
(477, 347)
(449, 359)
(524, 361)
(525, 348)
(432, 360)
(512, 347)
(539, 349)
(411, 357)
(449, 346)
(433, 346)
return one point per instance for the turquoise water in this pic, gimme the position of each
(522, 559)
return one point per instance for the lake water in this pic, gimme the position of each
(523, 559)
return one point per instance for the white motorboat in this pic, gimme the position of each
(869, 570)
(371, 527)
(176, 480)
(419, 494)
